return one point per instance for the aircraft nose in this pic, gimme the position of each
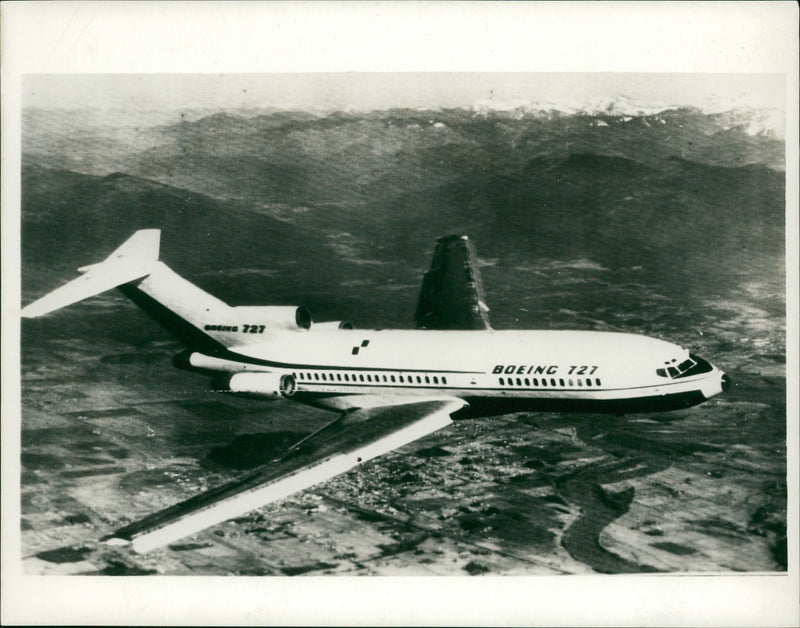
(726, 382)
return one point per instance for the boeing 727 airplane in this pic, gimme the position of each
(390, 387)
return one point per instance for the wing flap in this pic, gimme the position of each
(350, 440)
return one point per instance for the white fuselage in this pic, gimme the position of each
(275, 350)
(584, 369)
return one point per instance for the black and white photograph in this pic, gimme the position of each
(471, 323)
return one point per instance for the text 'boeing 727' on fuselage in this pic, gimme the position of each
(390, 387)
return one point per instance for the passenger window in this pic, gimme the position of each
(588, 382)
(580, 382)
(419, 379)
(435, 379)
(346, 377)
(552, 382)
(569, 381)
(519, 382)
(427, 380)
(401, 379)
(544, 382)
(316, 376)
(361, 378)
(339, 377)
(597, 381)
(527, 382)
(444, 380)
(502, 382)
(561, 383)
(392, 378)
(535, 381)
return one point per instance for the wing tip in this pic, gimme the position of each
(115, 541)
(35, 309)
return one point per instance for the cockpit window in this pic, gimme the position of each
(692, 366)
(699, 367)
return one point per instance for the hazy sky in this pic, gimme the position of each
(369, 91)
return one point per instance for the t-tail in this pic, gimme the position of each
(198, 319)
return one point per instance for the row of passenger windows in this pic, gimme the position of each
(370, 378)
(552, 382)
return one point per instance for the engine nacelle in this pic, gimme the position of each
(195, 361)
(265, 385)
(333, 325)
(259, 318)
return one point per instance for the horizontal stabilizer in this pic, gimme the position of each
(131, 261)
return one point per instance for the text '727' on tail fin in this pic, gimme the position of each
(133, 260)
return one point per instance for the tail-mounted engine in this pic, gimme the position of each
(263, 385)
(258, 319)
(333, 325)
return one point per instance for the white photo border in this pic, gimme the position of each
(280, 37)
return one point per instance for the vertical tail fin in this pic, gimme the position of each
(142, 246)
(133, 260)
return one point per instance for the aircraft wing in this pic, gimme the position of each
(452, 291)
(353, 438)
